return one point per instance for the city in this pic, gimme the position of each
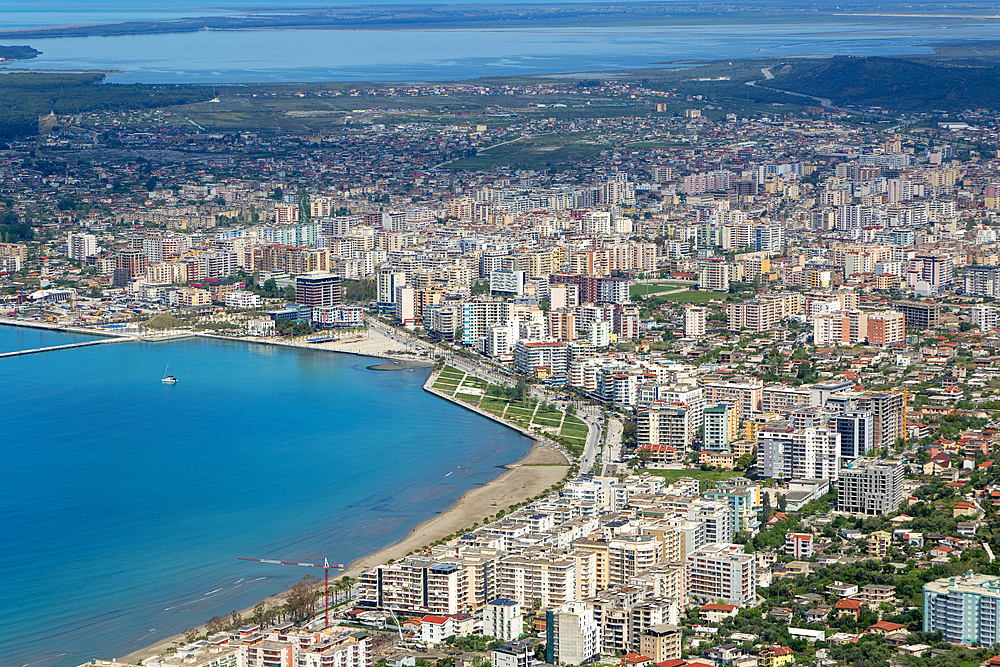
(759, 348)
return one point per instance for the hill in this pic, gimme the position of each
(898, 84)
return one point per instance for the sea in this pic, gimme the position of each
(262, 56)
(125, 502)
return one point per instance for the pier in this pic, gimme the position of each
(68, 346)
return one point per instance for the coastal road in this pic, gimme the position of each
(590, 450)
(612, 447)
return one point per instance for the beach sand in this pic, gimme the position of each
(541, 468)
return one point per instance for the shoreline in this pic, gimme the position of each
(545, 464)
(535, 472)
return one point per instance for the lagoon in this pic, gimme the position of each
(280, 56)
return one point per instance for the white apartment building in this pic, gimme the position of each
(984, 317)
(575, 636)
(723, 573)
(502, 619)
(694, 321)
(538, 579)
(784, 452)
(415, 585)
(870, 487)
(81, 246)
(628, 555)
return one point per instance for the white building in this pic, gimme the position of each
(502, 619)
(576, 635)
(984, 317)
(785, 452)
(722, 572)
(870, 487)
(694, 321)
(241, 299)
(81, 246)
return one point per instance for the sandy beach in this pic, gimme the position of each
(542, 467)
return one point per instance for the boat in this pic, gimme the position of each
(167, 377)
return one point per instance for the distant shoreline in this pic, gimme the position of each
(472, 17)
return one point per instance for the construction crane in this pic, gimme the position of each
(326, 579)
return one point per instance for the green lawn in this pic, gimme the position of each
(636, 291)
(691, 296)
(706, 477)
(468, 397)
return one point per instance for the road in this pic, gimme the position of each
(612, 447)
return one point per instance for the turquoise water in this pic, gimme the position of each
(23, 338)
(263, 56)
(125, 503)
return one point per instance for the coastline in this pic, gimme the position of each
(544, 465)
(539, 469)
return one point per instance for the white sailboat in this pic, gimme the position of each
(167, 377)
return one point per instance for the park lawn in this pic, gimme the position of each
(642, 289)
(446, 384)
(570, 433)
(692, 296)
(491, 403)
(575, 421)
(546, 422)
(451, 370)
(705, 477)
(468, 397)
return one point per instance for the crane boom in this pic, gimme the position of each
(326, 578)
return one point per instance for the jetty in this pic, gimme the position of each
(68, 346)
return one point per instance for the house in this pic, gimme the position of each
(885, 628)
(807, 634)
(714, 612)
(840, 589)
(435, 629)
(848, 607)
(776, 656)
(963, 508)
(635, 660)
(720, 655)
(875, 595)
(806, 599)
(401, 660)
(843, 638)
(878, 543)
(782, 614)
(817, 614)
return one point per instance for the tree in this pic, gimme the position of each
(278, 194)
(190, 635)
(301, 598)
(305, 211)
(782, 503)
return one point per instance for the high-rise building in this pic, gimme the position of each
(502, 619)
(573, 635)
(628, 555)
(720, 427)
(317, 289)
(713, 275)
(81, 246)
(982, 280)
(785, 452)
(857, 433)
(870, 487)
(964, 609)
(129, 264)
(723, 572)
(984, 317)
(919, 314)
(694, 321)
(886, 328)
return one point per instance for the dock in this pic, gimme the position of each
(68, 346)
